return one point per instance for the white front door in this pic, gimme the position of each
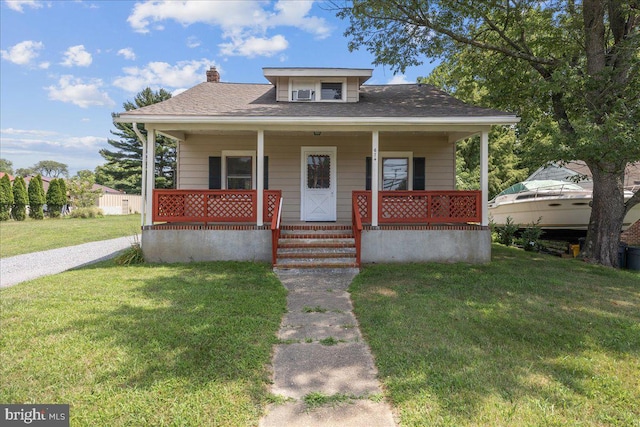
(318, 184)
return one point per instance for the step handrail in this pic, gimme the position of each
(275, 230)
(357, 228)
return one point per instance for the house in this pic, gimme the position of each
(263, 169)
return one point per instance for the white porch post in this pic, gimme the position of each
(374, 177)
(260, 177)
(143, 178)
(484, 175)
(151, 167)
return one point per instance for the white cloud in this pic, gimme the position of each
(255, 46)
(30, 139)
(244, 23)
(128, 53)
(163, 75)
(18, 5)
(399, 79)
(193, 42)
(83, 94)
(77, 55)
(23, 53)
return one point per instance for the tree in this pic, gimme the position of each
(50, 168)
(20, 199)
(506, 163)
(81, 190)
(570, 69)
(37, 197)
(123, 169)
(56, 198)
(24, 171)
(6, 198)
(6, 166)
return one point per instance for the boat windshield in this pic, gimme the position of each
(541, 185)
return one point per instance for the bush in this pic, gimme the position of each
(6, 198)
(530, 238)
(37, 197)
(56, 199)
(131, 255)
(507, 232)
(20, 199)
(92, 212)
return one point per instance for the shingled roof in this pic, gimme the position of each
(259, 100)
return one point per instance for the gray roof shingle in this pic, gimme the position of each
(259, 100)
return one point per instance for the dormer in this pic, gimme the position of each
(317, 84)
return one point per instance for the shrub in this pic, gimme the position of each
(131, 255)
(6, 198)
(507, 232)
(56, 199)
(92, 212)
(20, 199)
(530, 238)
(37, 197)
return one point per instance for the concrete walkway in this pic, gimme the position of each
(319, 308)
(20, 268)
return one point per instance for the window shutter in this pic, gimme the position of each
(215, 173)
(418, 173)
(266, 172)
(367, 184)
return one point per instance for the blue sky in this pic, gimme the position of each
(65, 66)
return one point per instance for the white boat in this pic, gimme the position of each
(558, 204)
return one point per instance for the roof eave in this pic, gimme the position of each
(257, 120)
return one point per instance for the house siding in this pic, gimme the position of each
(284, 152)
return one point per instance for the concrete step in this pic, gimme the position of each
(315, 250)
(317, 243)
(315, 255)
(315, 235)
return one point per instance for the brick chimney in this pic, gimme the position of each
(213, 76)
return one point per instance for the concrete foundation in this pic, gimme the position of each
(448, 246)
(162, 245)
(378, 245)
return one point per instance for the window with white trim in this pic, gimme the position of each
(329, 90)
(239, 170)
(395, 171)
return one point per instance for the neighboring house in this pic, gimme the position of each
(111, 201)
(120, 203)
(262, 167)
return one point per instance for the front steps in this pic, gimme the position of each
(316, 247)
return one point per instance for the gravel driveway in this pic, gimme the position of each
(19, 268)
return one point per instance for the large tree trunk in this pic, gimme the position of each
(607, 215)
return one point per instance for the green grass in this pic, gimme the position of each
(157, 345)
(525, 340)
(21, 237)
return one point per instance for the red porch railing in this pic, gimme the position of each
(212, 205)
(397, 207)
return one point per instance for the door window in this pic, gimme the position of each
(318, 171)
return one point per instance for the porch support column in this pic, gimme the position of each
(484, 175)
(374, 177)
(260, 178)
(151, 167)
(143, 178)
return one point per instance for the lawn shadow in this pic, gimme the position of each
(194, 323)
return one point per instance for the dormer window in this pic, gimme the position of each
(307, 90)
(331, 91)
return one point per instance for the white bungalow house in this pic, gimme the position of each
(264, 168)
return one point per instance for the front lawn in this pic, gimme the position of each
(151, 345)
(527, 340)
(21, 237)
